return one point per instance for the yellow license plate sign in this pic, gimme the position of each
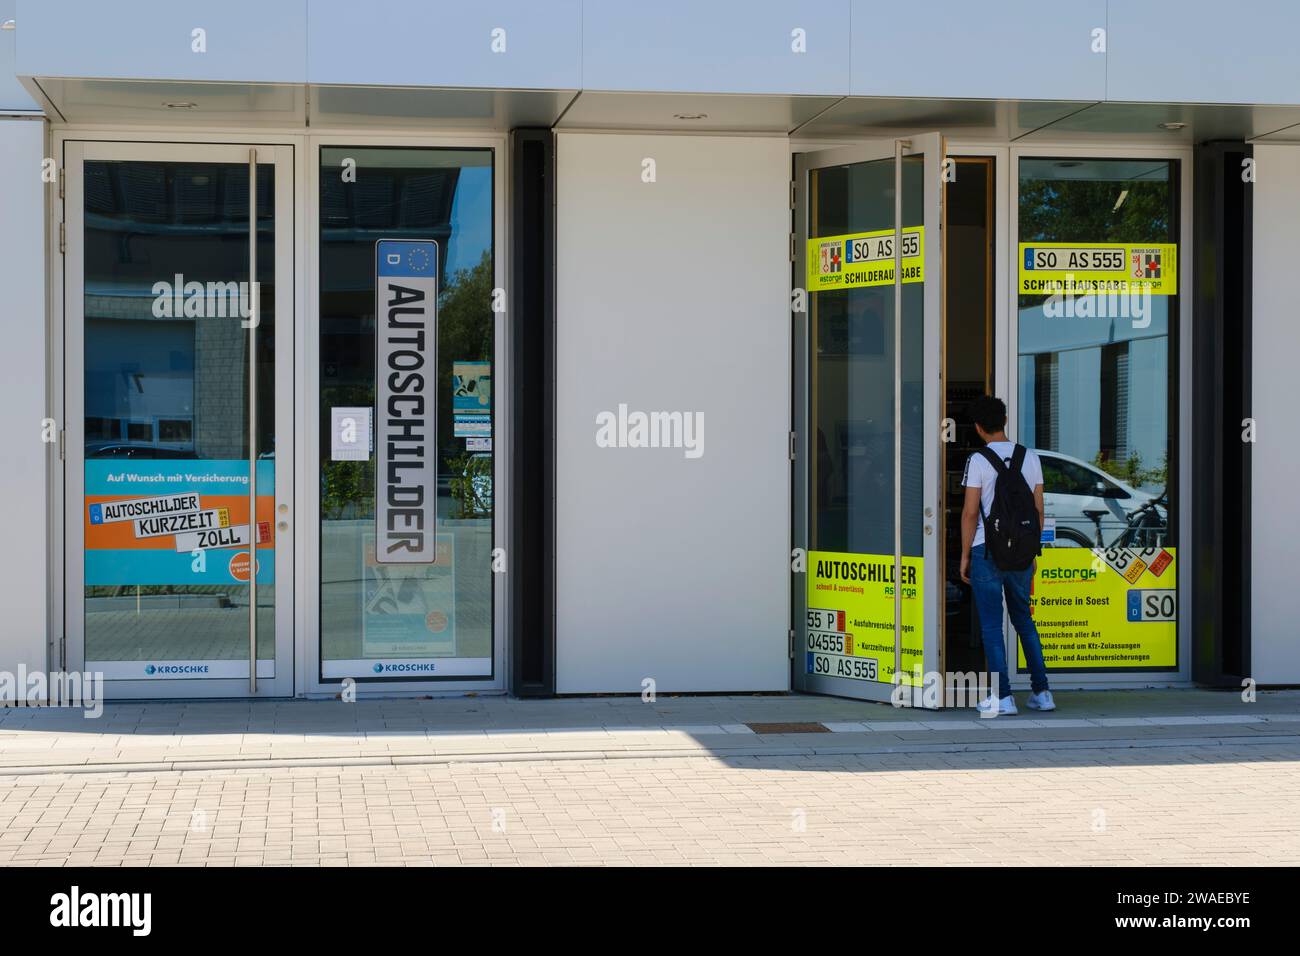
(851, 616)
(862, 259)
(1106, 609)
(1084, 268)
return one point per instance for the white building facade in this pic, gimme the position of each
(581, 347)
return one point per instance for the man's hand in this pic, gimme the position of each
(965, 567)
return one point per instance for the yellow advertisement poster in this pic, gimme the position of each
(1083, 268)
(864, 259)
(1106, 609)
(850, 627)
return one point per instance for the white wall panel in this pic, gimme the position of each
(673, 296)
(1275, 458)
(22, 396)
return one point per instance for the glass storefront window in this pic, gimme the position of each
(166, 419)
(419, 621)
(1098, 385)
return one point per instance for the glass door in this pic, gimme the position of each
(406, 231)
(1096, 362)
(178, 451)
(867, 405)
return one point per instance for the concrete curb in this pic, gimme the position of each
(711, 753)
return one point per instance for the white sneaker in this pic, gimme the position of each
(991, 705)
(1041, 701)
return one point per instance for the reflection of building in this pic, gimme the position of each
(177, 382)
(1095, 384)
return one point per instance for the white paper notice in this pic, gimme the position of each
(350, 433)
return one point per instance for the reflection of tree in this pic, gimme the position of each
(471, 485)
(347, 487)
(1131, 471)
(1083, 210)
(1078, 210)
(465, 334)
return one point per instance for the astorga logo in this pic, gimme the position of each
(624, 429)
(382, 668)
(152, 669)
(75, 908)
(1069, 574)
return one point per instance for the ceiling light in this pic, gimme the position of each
(1172, 126)
(179, 105)
(690, 116)
(1123, 194)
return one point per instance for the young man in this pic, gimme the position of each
(989, 582)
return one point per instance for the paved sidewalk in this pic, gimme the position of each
(1196, 806)
(193, 736)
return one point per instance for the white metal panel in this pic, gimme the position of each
(23, 480)
(1202, 51)
(1275, 457)
(995, 49)
(722, 46)
(12, 94)
(673, 296)
(237, 40)
(502, 44)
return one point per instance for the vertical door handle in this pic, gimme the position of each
(253, 305)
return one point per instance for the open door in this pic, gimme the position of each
(868, 391)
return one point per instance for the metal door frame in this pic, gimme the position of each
(75, 151)
(931, 145)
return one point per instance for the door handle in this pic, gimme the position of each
(252, 422)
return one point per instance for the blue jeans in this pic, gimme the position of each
(990, 583)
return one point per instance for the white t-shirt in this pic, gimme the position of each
(980, 474)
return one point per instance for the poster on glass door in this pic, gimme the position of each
(850, 626)
(174, 522)
(409, 611)
(1106, 609)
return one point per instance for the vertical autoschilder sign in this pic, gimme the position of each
(406, 384)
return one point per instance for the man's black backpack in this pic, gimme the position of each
(1012, 533)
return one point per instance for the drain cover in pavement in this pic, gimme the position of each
(809, 728)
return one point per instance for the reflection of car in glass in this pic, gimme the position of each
(1092, 508)
(123, 450)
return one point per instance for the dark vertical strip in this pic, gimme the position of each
(531, 312)
(1220, 398)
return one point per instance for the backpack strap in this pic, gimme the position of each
(1018, 459)
(999, 466)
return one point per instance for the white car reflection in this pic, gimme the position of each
(1092, 508)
